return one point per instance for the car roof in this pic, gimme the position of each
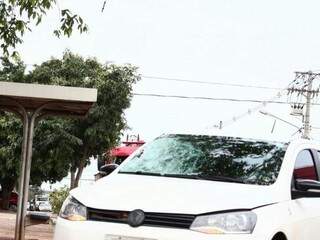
(309, 142)
(221, 134)
(266, 137)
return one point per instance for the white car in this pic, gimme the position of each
(41, 203)
(198, 187)
(45, 207)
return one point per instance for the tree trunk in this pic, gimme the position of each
(79, 173)
(76, 172)
(72, 178)
(7, 188)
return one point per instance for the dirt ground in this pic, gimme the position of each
(36, 232)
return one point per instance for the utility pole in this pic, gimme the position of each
(306, 124)
(302, 90)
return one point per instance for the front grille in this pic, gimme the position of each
(107, 215)
(151, 219)
(169, 220)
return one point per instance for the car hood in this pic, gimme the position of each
(128, 192)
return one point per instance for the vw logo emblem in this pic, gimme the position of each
(136, 218)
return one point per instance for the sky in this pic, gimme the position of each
(229, 41)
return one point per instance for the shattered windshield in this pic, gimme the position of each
(205, 157)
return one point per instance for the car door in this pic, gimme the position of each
(305, 205)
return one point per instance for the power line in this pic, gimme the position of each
(251, 110)
(199, 82)
(204, 82)
(210, 83)
(212, 99)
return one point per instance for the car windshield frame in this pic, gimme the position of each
(213, 158)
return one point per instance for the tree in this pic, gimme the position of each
(10, 135)
(10, 142)
(102, 127)
(17, 17)
(46, 164)
(62, 144)
(57, 197)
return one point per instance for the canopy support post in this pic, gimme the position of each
(19, 227)
(31, 102)
(29, 120)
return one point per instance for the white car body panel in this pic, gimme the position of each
(163, 194)
(298, 219)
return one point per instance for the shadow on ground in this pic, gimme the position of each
(35, 232)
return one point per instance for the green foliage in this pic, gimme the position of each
(68, 21)
(10, 135)
(12, 72)
(61, 144)
(57, 197)
(16, 17)
(80, 139)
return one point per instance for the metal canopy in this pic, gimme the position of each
(32, 102)
(58, 100)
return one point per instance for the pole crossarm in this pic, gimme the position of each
(305, 87)
(31, 102)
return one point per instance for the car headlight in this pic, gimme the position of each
(73, 210)
(242, 222)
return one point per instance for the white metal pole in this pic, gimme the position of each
(19, 220)
(306, 126)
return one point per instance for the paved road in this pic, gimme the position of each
(36, 232)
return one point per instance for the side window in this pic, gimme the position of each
(304, 167)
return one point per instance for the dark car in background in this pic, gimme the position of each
(13, 201)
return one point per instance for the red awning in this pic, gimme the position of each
(124, 151)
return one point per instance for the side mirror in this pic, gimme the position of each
(108, 168)
(307, 184)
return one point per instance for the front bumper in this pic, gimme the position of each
(45, 209)
(68, 230)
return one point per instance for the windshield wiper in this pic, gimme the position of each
(189, 176)
(220, 178)
(141, 173)
(206, 177)
(192, 176)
